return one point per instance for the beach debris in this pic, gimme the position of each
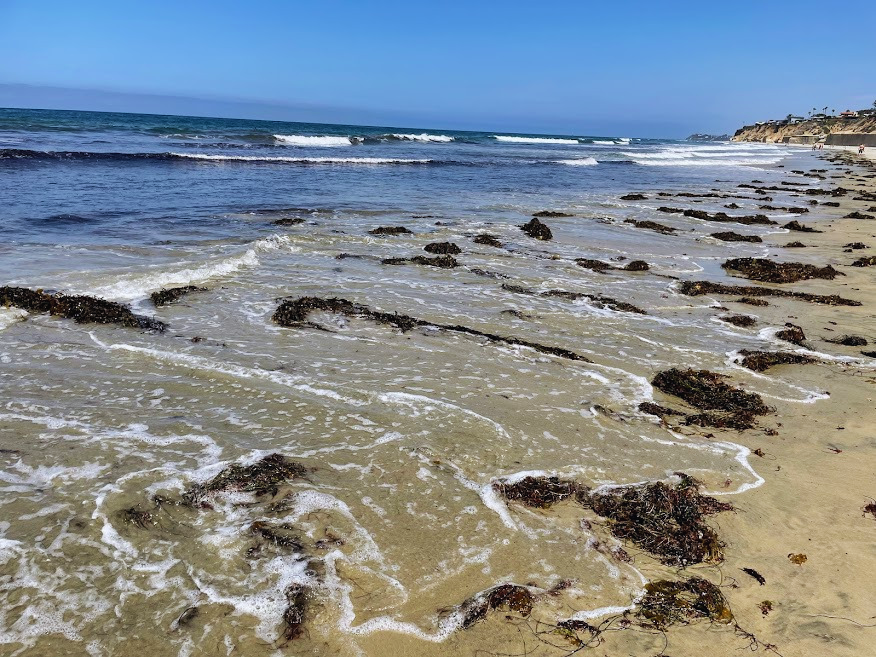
(831, 204)
(505, 596)
(761, 361)
(849, 341)
(282, 536)
(138, 517)
(550, 213)
(538, 492)
(751, 301)
(791, 210)
(656, 409)
(722, 217)
(488, 240)
(870, 508)
(602, 267)
(663, 519)
(81, 309)
(859, 215)
(797, 559)
(294, 313)
(855, 245)
(390, 230)
(652, 225)
(765, 607)
(794, 245)
(800, 228)
(732, 206)
(867, 261)
(756, 575)
(263, 477)
(707, 391)
(442, 248)
(668, 603)
(742, 321)
(793, 334)
(442, 261)
(169, 295)
(289, 221)
(634, 197)
(730, 236)
(186, 617)
(535, 229)
(768, 271)
(696, 288)
(294, 615)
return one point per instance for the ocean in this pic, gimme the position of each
(403, 433)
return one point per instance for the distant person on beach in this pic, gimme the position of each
(821, 146)
(861, 149)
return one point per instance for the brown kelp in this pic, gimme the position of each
(761, 361)
(536, 229)
(81, 309)
(538, 492)
(169, 295)
(696, 288)
(768, 271)
(263, 477)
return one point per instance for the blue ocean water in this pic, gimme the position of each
(80, 176)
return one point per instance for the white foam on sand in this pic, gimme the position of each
(8, 317)
(137, 286)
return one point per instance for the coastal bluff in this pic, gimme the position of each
(856, 130)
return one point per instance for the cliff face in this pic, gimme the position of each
(817, 127)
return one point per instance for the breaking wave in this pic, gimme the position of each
(307, 140)
(579, 162)
(535, 140)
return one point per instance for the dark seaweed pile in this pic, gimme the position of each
(442, 248)
(668, 603)
(730, 236)
(81, 309)
(696, 288)
(534, 228)
(652, 225)
(539, 492)
(761, 361)
(261, 478)
(743, 321)
(164, 297)
(767, 271)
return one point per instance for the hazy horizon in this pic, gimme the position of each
(629, 68)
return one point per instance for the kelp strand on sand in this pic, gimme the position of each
(294, 313)
(742, 321)
(721, 217)
(505, 596)
(768, 271)
(668, 603)
(752, 301)
(169, 295)
(849, 341)
(800, 228)
(263, 477)
(441, 261)
(761, 361)
(663, 519)
(793, 334)
(81, 309)
(652, 225)
(599, 300)
(656, 409)
(697, 288)
(867, 261)
(602, 267)
(730, 236)
(538, 492)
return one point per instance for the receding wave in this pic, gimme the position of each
(22, 154)
(308, 140)
(535, 140)
(579, 162)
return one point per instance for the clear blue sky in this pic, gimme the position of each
(618, 67)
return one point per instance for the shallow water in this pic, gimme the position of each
(404, 432)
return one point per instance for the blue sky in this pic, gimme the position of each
(624, 67)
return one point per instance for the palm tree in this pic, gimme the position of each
(833, 111)
(824, 110)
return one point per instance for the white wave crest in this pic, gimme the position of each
(535, 140)
(299, 160)
(603, 142)
(138, 286)
(707, 162)
(309, 140)
(423, 137)
(579, 162)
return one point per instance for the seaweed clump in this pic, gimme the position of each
(294, 614)
(800, 228)
(81, 309)
(601, 267)
(390, 230)
(261, 478)
(442, 261)
(488, 240)
(794, 245)
(668, 603)
(761, 361)
(793, 334)
(721, 217)
(633, 197)
(751, 301)
(289, 221)
(442, 248)
(696, 288)
(762, 269)
(867, 261)
(536, 229)
(538, 492)
(849, 341)
(652, 225)
(656, 409)
(707, 391)
(665, 520)
(164, 297)
(742, 321)
(505, 596)
(730, 236)
(859, 215)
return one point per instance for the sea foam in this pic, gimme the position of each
(309, 140)
(535, 140)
